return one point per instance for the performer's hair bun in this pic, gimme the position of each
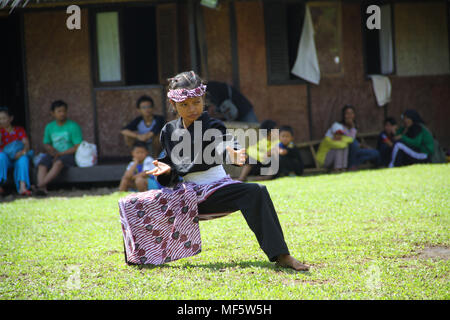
(185, 80)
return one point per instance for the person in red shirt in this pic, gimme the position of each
(14, 153)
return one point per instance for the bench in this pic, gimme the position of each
(104, 173)
(97, 173)
(308, 150)
(368, 138)
(112, 172)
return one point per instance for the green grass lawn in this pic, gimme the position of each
(363, 233)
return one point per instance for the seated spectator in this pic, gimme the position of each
(386, 141)
(290, 160)
(146, 127)
(415, 144)
(135, 177)
(14, 153)
(260, 152)
(62, 137)
(228, 104)
(334, 148)
(358, 153)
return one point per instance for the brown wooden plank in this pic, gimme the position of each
(166, 24)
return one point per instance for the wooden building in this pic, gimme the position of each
(125, 49)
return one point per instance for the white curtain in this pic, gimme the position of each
(381, 88)
(108, 46)
(307, 65)
(386, 49)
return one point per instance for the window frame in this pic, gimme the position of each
(94, 49)
(270, 80)
(394, 51)
(119, 7)
(364, 36)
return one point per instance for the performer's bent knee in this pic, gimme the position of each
(254, 188)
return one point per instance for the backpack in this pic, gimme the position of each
(438, 155)
(228, 108)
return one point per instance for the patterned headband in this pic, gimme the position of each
(179, 95)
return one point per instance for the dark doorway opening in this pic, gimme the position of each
(12, 93)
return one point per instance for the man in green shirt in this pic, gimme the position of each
(61, 140)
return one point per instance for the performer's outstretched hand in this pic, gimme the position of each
(237, 156)
(161, 168)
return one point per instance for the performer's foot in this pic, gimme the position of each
(288, 261)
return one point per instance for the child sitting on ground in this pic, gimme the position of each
(290, 160)
(135, 177)
(260, 152)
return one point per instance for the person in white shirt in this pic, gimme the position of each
(135, 177)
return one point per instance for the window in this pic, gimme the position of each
(412, 41)
(126, 46)
(108, 47)
(378, 43)
(283, 22)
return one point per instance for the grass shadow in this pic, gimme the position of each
(223, 266)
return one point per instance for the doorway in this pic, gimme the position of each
(12, 90)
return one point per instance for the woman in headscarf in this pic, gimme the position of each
(415, 144)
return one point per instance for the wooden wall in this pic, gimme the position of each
(218, 41)
(419, 45)
(429, 95)
(116, 108)
(57, 67)
(286, 104)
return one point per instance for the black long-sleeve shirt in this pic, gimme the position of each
(172, 139)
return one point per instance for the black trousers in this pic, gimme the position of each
(385, 154)
(405, 159)
(292, 162)
(253, 200)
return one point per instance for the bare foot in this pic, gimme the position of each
(288, 261)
